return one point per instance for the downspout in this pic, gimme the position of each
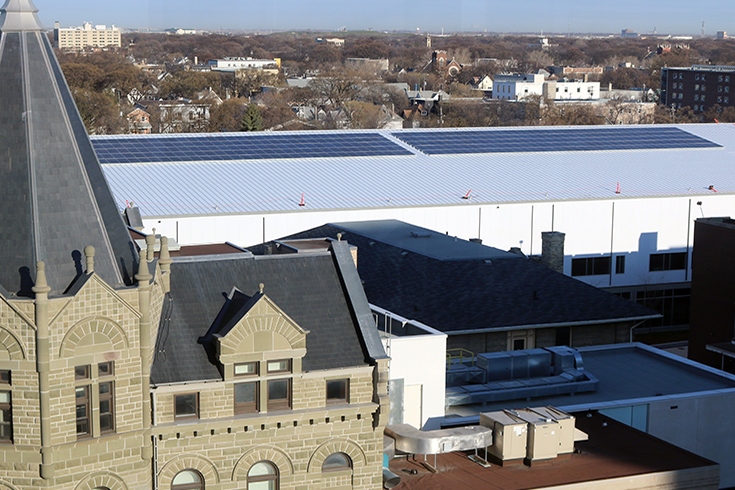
(634, 326)
(42, 366)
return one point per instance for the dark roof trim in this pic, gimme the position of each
(357, 300)
(555, 325)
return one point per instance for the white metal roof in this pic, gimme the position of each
(336, 183)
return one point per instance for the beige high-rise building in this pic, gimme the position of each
(123, 368)
(86, 36)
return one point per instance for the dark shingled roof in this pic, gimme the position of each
(457, 296)
(55, 199)
(309, 288)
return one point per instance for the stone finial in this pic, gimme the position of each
(41, 286)
(144, 274)
(261, 287)
(339, 237)
(89, 254)
(164, 257)
(150, 245)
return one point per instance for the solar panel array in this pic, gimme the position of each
(191, 148)
(546, 140)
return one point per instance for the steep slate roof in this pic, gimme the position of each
(55, 199)
(460, 287)
(310, 288)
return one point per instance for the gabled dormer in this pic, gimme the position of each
(260, 348)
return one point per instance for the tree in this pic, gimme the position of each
(227, 116)
(252, 120)
(363, 115)
(99, 112)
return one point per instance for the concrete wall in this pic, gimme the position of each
(702, 425)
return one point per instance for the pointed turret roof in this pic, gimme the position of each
(54, 199)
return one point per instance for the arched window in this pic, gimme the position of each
(188, 480)
(337, 462)
(263, 475)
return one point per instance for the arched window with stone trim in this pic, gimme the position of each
(188, 480)
(337, 462)
(263, 475)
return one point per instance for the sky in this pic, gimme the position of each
(559, 16)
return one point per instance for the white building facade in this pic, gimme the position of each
(627, 214)
(517, 87)
(98, 36)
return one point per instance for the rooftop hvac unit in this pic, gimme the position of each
(509, 435)
(543, 435)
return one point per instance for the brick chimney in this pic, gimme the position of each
(552, 250)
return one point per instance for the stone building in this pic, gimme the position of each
(123, 368)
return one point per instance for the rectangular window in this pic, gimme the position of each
(246, 369)
(105, 369)
(338, 391)
(667, 261)
(81, 372)
(279, 394)
(6, 417)
(6, 408)
(620, 264)
(591, 266)
(279, 366)
(82, 410)
(107, 407)
(186, 405)
(247, 397)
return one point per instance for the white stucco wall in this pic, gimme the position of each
(421, 360)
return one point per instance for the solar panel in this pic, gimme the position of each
(243, 146)
(547, 140)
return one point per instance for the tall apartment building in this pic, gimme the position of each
(121, 370)
(86, 36)
(699, 86)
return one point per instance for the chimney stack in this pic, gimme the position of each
(552, 250)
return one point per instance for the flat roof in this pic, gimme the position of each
(423, 241)
(612, 451)
(409, 177)
(628, 374)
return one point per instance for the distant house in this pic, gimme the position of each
(486, 85)
(139, 121)
(176, 116)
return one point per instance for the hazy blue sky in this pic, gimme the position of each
(666, 16)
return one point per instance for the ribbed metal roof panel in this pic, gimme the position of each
(258, 186)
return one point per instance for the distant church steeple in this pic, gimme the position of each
(54, 199)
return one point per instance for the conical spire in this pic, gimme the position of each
(55, 199)
(19, 15)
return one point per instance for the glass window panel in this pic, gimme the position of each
(336, 462)
(283, 365)
(245, 393)
(278, 389)
(186, 405)
(105, 369)
(246, 369)
(187, 476)
(81, 372)
(337, 390)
